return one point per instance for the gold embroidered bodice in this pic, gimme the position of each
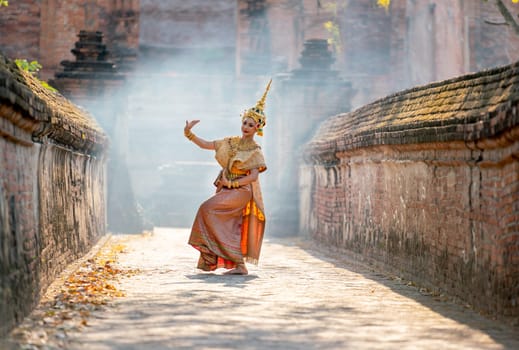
(239, 157)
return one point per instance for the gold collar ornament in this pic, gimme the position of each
(257, 113)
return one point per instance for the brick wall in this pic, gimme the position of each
(20, 30)
(417, 42)
(45, 30)
(52, 189)
(426, 182)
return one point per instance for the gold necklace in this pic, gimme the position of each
(237, 144)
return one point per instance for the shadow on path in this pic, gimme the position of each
(502, 332)
(223, 328)
(236, 281)
(301, 296)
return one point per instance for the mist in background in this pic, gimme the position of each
(210, 60)
(186, 71)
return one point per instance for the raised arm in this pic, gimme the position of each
(200, 142)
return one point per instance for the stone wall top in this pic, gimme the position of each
(468, 108)
(51, 115)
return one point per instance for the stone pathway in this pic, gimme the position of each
(296, 299)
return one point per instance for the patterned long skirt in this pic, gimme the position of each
(216, 230)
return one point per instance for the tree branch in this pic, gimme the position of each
(507, 16)
(495, 23)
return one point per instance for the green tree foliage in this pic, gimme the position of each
(332, 26)
(33, 68)
(384, 3)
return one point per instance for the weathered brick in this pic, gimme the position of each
(435, 218)
(37, 245)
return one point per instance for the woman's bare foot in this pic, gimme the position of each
(240, 269)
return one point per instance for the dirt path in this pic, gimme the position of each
(296, 299)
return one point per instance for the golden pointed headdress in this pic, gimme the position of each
(257, 112)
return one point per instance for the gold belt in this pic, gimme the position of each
(234, 176)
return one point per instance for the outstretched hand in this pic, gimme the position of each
(190, 124)
(200, 142)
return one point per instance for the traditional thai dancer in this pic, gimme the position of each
(228, 227)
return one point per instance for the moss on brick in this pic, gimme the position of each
(64, 122)
(458, 109)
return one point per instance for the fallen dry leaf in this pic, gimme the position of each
(92, 286)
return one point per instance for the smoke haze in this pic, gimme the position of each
(210, 60)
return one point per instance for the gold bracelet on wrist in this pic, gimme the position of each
(189, 134)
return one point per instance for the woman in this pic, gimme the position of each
(228, 227)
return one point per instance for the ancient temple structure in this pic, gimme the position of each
(90, 71)
(211, 59)
(93, 82)
(142, 67)
(303, 99)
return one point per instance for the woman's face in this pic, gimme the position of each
(248, 127)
